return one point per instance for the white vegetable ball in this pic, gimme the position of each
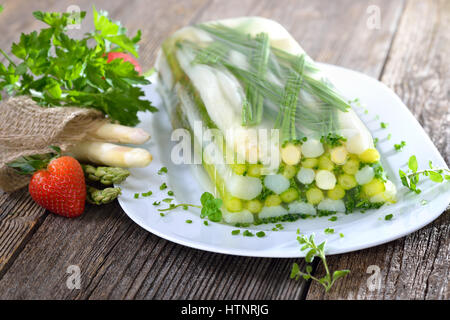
(312, 148)
(325, 179)
(306, 175)
(276, 183)
(243, 216)
(301, 207)
(243, 187)
(275, 211)
(332, 205)
(364, 175)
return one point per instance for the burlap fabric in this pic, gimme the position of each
(28, 129)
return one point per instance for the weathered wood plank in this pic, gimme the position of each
(120, 260)
(417, 266)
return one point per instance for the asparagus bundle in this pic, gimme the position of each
(242, 75)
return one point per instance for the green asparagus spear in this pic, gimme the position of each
(96, 196)
(105, 175)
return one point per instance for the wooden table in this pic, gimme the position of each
(408, 51)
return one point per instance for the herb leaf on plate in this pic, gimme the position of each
(410, 179)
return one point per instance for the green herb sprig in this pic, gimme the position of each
(410, 178)
(314, 250)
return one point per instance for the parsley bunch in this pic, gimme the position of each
(57, 70)
(316, 250)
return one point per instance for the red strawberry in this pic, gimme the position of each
(125, 57)
(60, 188)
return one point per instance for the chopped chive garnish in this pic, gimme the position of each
(167, 200)
(235, 232)
(247, 234)
(341, 235)
(205, 223)
(163, 186)
(399, 146)
(188, 221)
(156, 203)
(136, 195)
(375, 141)
(170, 193)
(162, 170)
(334, 218)
(161, 214)
(260, 234)
(388, 217)
(147, 194)
(383, 125)
(389, 136)
(328, 231)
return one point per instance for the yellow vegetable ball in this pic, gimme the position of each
(314, 195)
(370, 156)
(254, 206)
(347, 181)
(325, 163)
(310, 163)
(351, 166)
(233, 204)
(373, 188)
(337, 193)
(273, 200)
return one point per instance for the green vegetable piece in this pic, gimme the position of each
(104, 196)
(105, 175)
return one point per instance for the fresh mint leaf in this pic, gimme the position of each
(412, 164)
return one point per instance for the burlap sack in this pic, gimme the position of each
(27, 129)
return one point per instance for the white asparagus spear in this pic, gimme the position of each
(111, 155)
(121, 134)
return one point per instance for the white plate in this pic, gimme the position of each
(361, 230)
